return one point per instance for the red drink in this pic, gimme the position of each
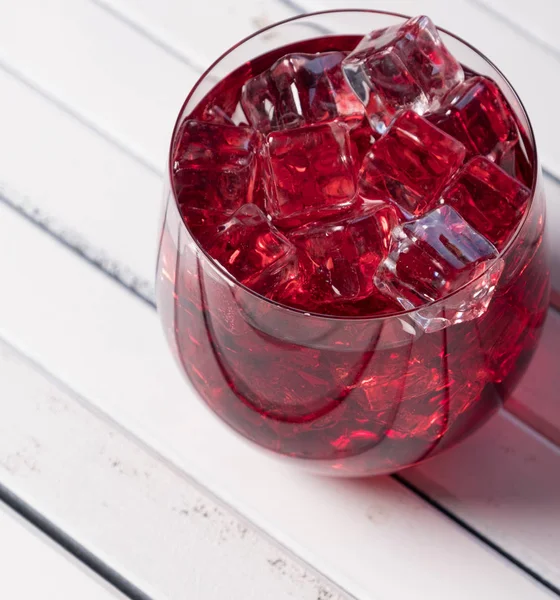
(330, 335)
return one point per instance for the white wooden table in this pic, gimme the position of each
(105, 448)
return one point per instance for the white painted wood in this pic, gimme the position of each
(529, 67)
(130, 508)
(504, 481)
(200, 32)
(537, 19)
(121, 79)
(128, 88)
(107, 345)
(33, 567)
(78, 184)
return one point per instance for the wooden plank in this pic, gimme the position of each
(109, 75)
(128, 507)
(34, 567)
(78, 184)
(109, 348)
(537, 20)
(503, 480)
(197, 32)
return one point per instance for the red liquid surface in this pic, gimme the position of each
(351, 395)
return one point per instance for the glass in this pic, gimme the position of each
(350, 396)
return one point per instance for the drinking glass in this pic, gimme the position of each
(350, 395)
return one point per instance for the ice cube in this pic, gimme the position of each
(215, 113)
(433, 257)
(477, 114)
(300, 89)
(488, 199)
(253, 251)
(214, 165)
(202, 223)
(340, 257)
(401, 67)
(516, 161)
(309, 173)
(412, 162)
(362, 136)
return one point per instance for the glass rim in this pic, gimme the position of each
(404, 312)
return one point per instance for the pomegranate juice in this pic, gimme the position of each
(353, 274)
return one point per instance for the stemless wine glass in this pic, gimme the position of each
(351, 396)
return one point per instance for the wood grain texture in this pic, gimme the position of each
(107, 346)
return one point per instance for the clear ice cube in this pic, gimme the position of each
(489, 199)
(401, 67)
(439, 258)
(308, 173)
(300, 89)
(477, 114)
(253, 251)
(412, 162)
(340, 257)
(215, 165)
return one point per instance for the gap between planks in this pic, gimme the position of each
(25, 550)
